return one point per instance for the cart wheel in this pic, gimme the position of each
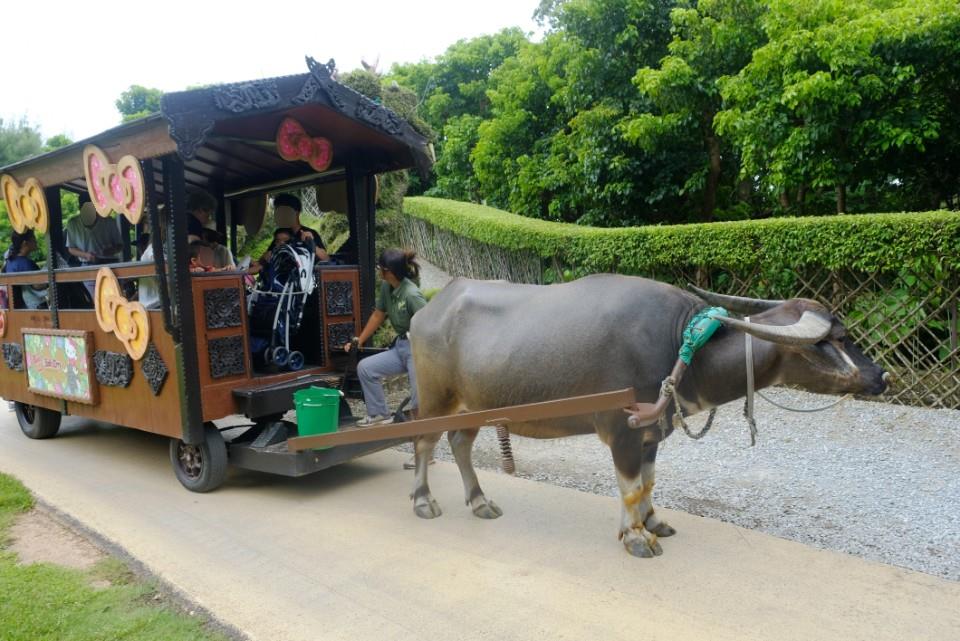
(37, 422)
(280, 356)
(200, 468)
(295, 362)
(267, 355)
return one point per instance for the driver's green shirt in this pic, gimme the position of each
(400, 304)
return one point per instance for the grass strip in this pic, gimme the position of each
(41, 601)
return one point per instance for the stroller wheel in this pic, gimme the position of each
(280, 356)
(267, 355)
(295, 361)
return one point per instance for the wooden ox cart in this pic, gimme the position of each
(97, 352)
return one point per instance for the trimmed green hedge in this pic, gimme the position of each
(866, 242)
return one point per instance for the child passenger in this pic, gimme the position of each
(201, 257)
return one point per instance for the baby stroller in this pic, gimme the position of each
(276, 308)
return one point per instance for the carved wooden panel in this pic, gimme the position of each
(221, 307)
(226, 356)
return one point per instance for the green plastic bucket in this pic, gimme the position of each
(318, 411)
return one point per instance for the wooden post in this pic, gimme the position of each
(54, 246)
(360, 201)
(181, 301)
(125, 243)
(232, 222)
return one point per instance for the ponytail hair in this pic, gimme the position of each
(17, 240)
(401, 264)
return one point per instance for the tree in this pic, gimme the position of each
(452, 88)
(138, 101)
(18, 140)
(457, 82)
(55, 142)
(554, 146)
(712, 39)
(838, 92)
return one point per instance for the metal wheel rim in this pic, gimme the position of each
(190, 459)
(29, 413)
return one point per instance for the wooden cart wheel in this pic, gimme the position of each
(37, 422)
(200, 468)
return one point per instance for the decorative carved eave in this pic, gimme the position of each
(145, 138)
(193, 115)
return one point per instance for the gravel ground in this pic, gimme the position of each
(876, 480)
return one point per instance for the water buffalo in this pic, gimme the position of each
(481, 344)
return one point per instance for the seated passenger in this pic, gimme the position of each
(21, 246)
(286, 213)
(281, 236)
(91, 238)
(201, 206)
(222, 258)
(148, 293)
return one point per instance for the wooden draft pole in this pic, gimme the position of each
(560, 408)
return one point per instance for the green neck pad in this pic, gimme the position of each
(699, 330)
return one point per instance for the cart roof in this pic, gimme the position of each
(226, 135)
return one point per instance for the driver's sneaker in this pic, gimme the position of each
(374, 420)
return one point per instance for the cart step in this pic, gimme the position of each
(277, 398)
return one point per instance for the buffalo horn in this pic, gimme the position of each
(736, 304)
(811, 328)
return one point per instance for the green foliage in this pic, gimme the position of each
(871, 242)
(455, 177)
(844, 93)
(712, 39)
(650, 111)
(255, 246)
(451, 88)
(55, 142)
(18, 140)
(14, 499)
(457, 82)
(555, 144)
(363, 81)
(138, 101)
(334, 230)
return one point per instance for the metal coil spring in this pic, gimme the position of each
(506, 452)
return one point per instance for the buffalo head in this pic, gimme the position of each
(817, 353)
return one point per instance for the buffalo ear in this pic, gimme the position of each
(811, 328)
(736, 304)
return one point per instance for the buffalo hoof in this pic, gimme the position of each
(662, 530)
(487, 509)
(641, 543)
(427, 508)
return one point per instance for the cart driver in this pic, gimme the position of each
(286, 213)
(398, 299)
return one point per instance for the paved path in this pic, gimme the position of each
(340, 555)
